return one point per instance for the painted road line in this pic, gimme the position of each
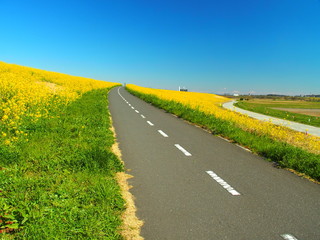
(120, 94)
(136, 111)
(129, 104)
(150, 123)
(248, 150)
(162, 133)
(288, 237)
(183, 150)
(132, 107)
(227, 140)
(224, 184)
(143, 116)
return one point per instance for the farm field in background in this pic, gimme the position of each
(306, 112)
(289, 148)
(56, 164)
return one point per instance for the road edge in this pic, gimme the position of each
(296, 126)
(131, 224)
(246, 148)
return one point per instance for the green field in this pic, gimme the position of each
(60, 184)
(267, 107)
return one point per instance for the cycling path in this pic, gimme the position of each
(293, 125)
(189, 184)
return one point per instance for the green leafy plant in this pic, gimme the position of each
(60, 184)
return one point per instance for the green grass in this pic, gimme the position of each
(60, 184)
(267, 109)
(285, 155)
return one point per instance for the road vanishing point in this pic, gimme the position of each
(190, 184)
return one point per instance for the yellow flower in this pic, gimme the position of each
(209, 104)
(5, 117)
(23, 96)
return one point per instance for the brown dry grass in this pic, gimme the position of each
(286, 103)
(302, 175)
(131, 227)
(310, 112)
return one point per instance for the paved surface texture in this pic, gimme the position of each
(190, 184)
(293, 125)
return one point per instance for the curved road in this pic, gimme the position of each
(293, 125)
(190, 184)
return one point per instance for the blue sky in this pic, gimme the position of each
(260, 46)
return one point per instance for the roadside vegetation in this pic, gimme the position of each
(57, 170)
(289, 149)
(269, 107)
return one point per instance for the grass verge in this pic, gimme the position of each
(61, 183)
(131, 226)
(267, 109)
(287, 156)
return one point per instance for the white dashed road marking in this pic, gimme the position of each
(183, 150)
(219, 180)
(227, 140)
(120, 94)
(223, 183)
(243, 148)
(288, 237)
(162, 133)
(150, 123)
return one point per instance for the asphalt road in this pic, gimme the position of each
(205, 187)
(278, 121)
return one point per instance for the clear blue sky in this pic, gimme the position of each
(264, 46)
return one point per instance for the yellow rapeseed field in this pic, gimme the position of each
(28, 94)
(211, 104)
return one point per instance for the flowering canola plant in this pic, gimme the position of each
(28, 94)
(211, 104)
